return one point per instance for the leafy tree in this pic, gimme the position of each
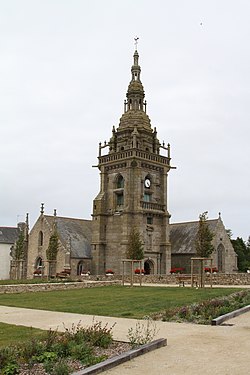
(135, 246)
(204, 237)
(52, 250)
(229, 233)
(20, 247)
(242, 249)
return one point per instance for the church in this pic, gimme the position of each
(134, 167)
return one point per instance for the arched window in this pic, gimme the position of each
(38, 267)
(40, 238)
(221, 258)
(80, 268)
(120, 182)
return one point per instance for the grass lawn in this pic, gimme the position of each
(114, 301)
(12, 334)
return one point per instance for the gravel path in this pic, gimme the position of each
(191, 350)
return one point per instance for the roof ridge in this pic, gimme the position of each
(66, 217)
(8, 227)
(193, 221)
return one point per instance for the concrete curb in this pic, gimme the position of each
(124, 357)
(222, 318)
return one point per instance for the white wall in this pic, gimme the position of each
(5, 261)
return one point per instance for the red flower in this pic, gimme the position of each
(137, 271)
(208, 269)
(37, 272)
(110, 271)
(177, 270)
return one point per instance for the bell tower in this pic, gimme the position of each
(134, 168)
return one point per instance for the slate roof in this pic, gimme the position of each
(79, 232)
(182, 236)
(8, 235)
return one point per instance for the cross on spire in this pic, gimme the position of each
(136, 42)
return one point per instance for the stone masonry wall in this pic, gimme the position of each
(98, 281)
(23, 288)
(218, 279)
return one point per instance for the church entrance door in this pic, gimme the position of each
(148, 267)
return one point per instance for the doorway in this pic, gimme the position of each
(149, 267)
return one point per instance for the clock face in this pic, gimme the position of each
(147, 183)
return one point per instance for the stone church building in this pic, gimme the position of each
(134, 167)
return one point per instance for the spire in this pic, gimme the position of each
(27, 227)
(135, 94)
(55, 221)
(136, 69)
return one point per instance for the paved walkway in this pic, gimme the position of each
(191, 350)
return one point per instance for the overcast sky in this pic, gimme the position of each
(64, 72)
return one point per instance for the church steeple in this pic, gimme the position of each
(133, 188)
(135, 94)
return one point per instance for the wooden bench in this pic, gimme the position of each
(63, 275)
(182, 279)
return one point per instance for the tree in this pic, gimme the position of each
(52, 250)
(204, 237)
(242, 249)
(135, 246)
(20, 247)
(229, 233)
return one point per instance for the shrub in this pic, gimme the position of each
(61, 368)
(31, 349)
(54, 347)
(205, 311)
(142, 333)
(10, 369)
(83, 352)
(8, 361)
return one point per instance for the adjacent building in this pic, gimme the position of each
(8, 237)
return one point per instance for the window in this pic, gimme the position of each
(147, 197)
(39, 263)
(40, 238)
(149, 220)
(120, 182)
(80, 268)
(119, 199)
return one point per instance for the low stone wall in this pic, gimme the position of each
(23, 288)
(218, 279)
(97, 281)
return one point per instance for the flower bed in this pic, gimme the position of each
(208, 270)
(204, 312)
(109, 272)
(61, 353)
(137, 271)
(177, 270)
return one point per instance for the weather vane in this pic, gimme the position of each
(136, 42)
